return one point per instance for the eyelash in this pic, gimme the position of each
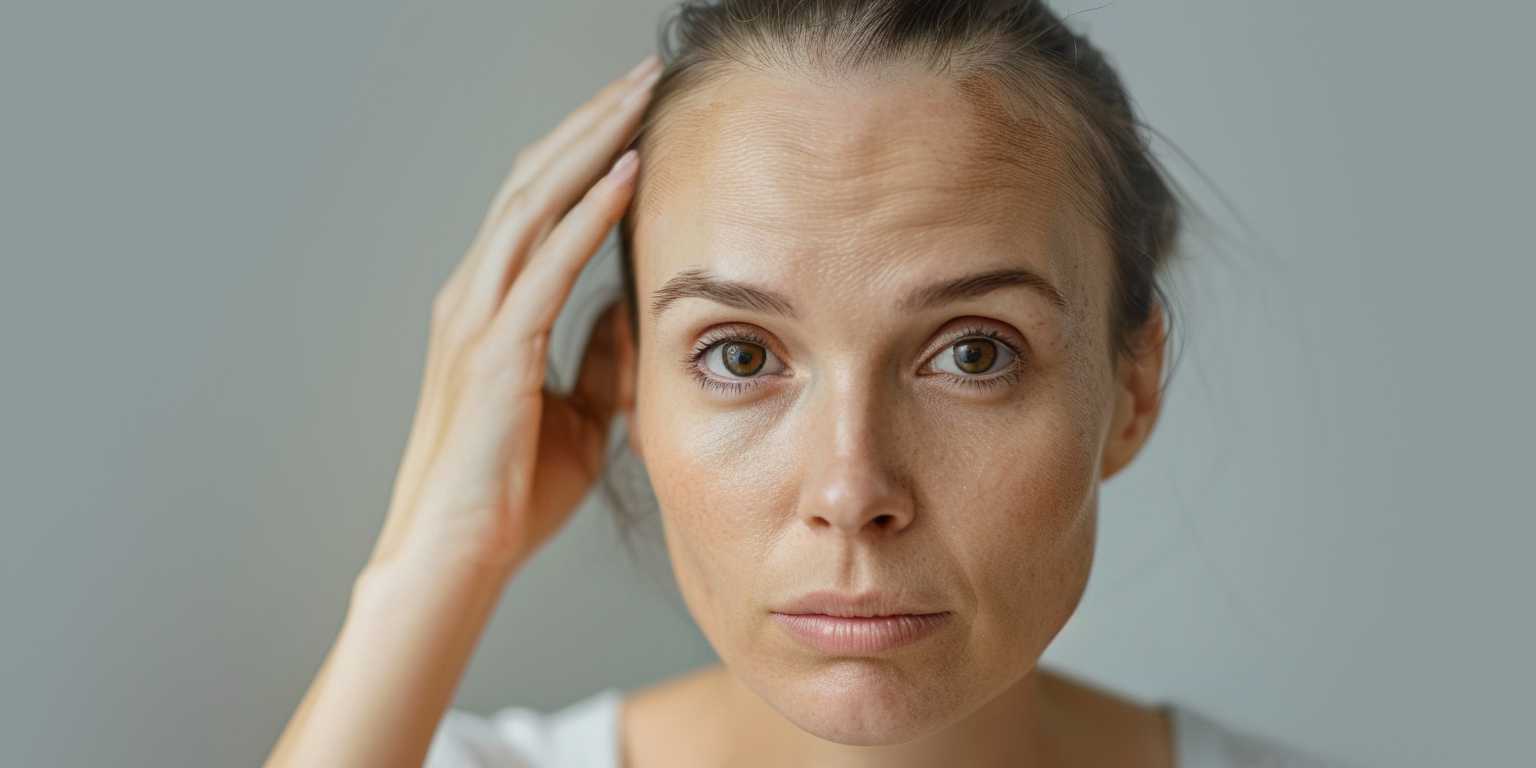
(691, 360)
(1014, 372)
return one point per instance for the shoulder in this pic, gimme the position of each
(582, 734)
(1202, 741)
(1182, 735)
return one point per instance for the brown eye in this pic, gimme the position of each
(742, 358)
(979, 357)
(975, 355)
(733, 362)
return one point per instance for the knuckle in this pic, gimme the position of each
(536, 343)
(484, 362)
(516, 220)
(520, 204)
(458, 332)
(503, 365)
(494, 350)
(516, 199)
(449, 331)
(523, 157)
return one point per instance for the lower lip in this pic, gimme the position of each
(859, 634)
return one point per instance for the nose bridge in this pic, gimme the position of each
(853, 478)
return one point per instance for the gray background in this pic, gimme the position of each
(224, 223)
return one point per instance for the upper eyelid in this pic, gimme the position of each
(977, 328)
(722, 334)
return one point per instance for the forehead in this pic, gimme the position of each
(877, 181)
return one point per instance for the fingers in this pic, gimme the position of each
(532, 158)
(486, 359)
(537, 155)
(532, 208)
(535, 298)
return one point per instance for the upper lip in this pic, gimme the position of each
(866, 604)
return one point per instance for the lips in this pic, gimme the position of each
(859, 624)
(853, 636)
(866, 604)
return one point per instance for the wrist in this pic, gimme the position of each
(413, 575)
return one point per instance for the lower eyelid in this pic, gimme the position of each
(1009, 375)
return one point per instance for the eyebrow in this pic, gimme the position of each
(702, 284)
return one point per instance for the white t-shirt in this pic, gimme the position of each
(585, 735)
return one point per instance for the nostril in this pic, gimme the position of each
(879, 522)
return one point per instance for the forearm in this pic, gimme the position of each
(410, 630)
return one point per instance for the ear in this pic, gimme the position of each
(629, 369)
(1138, 396)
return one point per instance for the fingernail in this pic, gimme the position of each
(624, 167)
(641, 67)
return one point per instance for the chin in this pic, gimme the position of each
(865, 702)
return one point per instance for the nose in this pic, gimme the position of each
(853, 477)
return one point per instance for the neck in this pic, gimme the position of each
(1012, 729)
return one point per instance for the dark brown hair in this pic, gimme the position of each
(1015, 59)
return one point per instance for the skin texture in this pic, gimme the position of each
(856, 458)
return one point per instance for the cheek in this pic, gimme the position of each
(721, 483)
(1013, 493)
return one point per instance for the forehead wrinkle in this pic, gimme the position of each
(838, 173)
(777, 148)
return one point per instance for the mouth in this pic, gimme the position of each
(860, 635)
(861, 605)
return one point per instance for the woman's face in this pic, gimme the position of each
(872, 430)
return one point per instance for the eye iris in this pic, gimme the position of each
(742, 359)
(975, 355)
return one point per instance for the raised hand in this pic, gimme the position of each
(495, 464)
